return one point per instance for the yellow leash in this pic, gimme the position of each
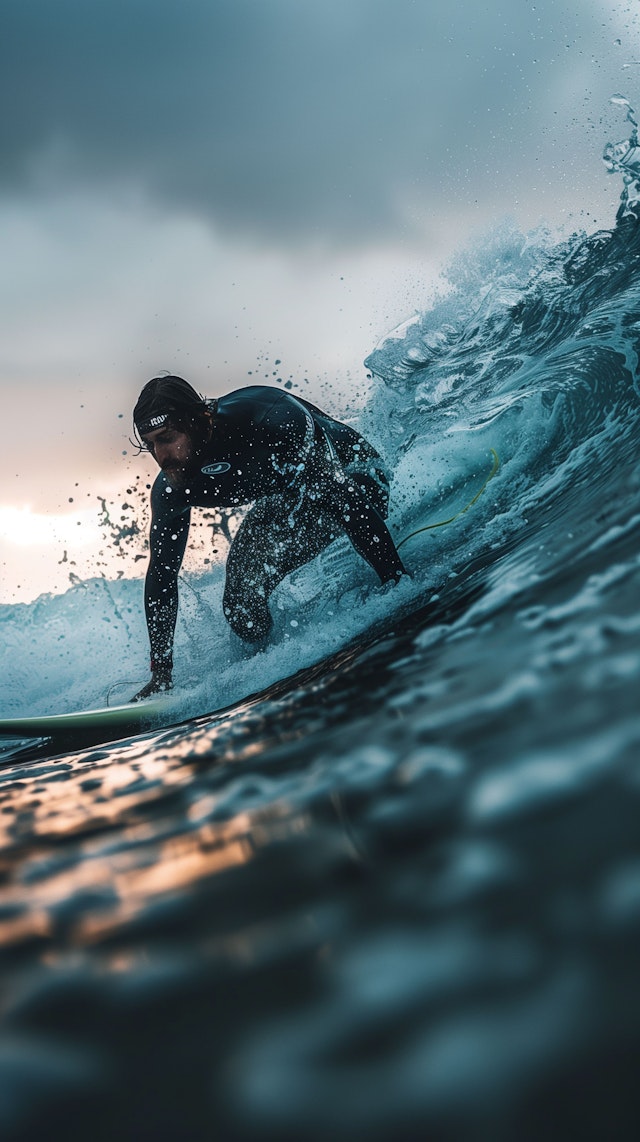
(442, 522)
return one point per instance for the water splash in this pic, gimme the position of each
(624, 158)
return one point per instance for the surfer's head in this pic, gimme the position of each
(172, 421)
(173, 400)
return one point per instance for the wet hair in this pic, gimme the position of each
(173, 401)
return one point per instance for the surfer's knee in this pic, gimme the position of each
(249, 626)
(248, 615)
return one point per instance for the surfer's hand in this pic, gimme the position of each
(160, 680)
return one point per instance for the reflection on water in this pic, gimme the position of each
(327, 914)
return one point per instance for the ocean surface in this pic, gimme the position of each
(391, 890)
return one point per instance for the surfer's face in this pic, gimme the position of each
(173, 450)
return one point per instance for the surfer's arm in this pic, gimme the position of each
(365, 528)
(358, 504)
(167, 541)
(305, 455)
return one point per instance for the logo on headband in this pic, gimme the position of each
(153, 422)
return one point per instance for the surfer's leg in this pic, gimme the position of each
(245, 601)
(276, 537)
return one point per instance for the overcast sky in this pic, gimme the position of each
(208, 186)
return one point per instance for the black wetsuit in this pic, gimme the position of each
(310, 479)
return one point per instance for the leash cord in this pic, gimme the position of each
(443, 522)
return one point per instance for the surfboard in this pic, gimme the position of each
(110, 721)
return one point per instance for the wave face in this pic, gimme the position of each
(398, 893)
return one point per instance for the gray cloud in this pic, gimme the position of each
(291, 120)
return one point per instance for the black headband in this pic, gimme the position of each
(158, 420)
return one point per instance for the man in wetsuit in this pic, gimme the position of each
(309, 477)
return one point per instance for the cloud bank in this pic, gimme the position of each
(346, 121)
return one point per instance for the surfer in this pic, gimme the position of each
(308, 477)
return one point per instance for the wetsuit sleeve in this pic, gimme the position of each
(365, 527)
(350, 505)
(170, 520)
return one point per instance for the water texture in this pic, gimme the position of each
(393, 889)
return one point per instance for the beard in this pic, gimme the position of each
(181, 469)
(176, 477)
(179, 476)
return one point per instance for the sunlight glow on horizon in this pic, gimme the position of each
(46, 553)
(25, 528)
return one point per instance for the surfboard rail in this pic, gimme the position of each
(134, 717)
